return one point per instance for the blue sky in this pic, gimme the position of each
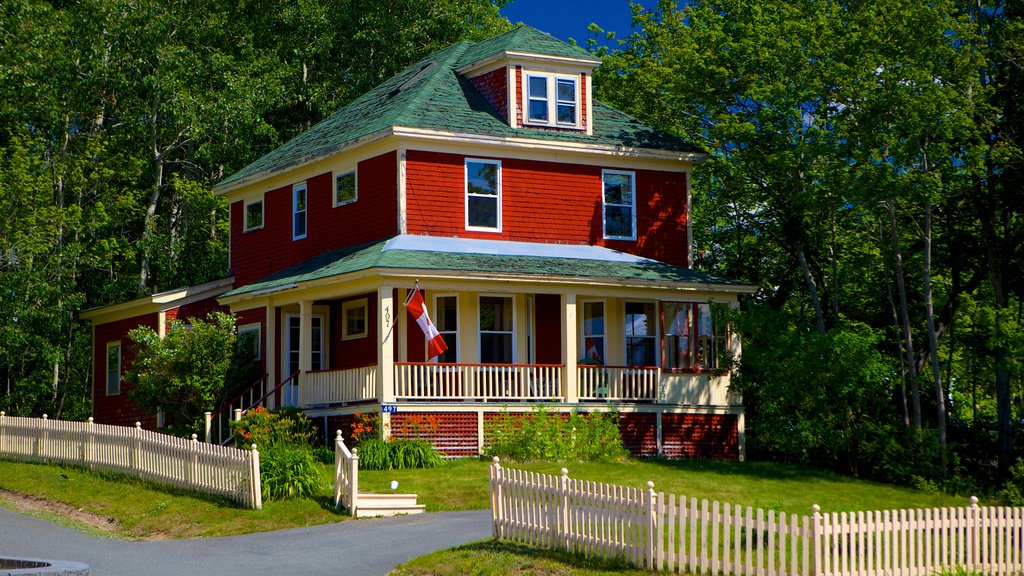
(566, 19)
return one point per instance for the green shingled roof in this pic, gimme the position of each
(430, 95)
(374, 256)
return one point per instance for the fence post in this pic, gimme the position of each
(238, 414)
(3, 439)
(43, 438)
(208, 426)
(816, 541)
(254, 478)
(89, 449)
(137, 446)
(973, 560)
(563, 511)
(353, 481)
(338, 468)
(496, 511)
(193, 462)
(652, 543)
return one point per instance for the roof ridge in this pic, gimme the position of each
(445, 64)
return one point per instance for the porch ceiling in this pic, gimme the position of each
(513, 259)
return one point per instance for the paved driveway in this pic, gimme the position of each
(362, 547)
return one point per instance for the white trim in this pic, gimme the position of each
(551, 80)
(604, 204)
(689, 222)
(258, 329)
(403, 216)
(511, 102)
(480, 332)
(497, 195)
(335, 175)
(473, 68)
(348, 306)
(245, 216)
(106, 366)
(296, 188)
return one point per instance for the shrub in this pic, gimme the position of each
(289, 471)
(377, 454)
(543, 435)
(324, 454)
(285, 426)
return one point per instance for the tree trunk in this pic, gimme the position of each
(812, 288)
(908, 339)
(933, 340)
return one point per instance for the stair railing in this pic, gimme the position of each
(218, 423)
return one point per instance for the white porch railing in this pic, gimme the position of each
(346, 475)
(636, 383)
(336, 386)
(436, 381)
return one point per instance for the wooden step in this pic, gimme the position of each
(372, 505)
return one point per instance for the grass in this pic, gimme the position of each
(143, 510)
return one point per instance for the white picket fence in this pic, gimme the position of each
(160, 458)
(660, 531)
(346, 476)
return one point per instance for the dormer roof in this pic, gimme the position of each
(528, 43)
(431, 97)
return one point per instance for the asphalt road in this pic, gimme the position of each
(361, 547)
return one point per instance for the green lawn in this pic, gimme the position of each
(141, 510)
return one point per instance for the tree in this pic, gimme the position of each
(184, 374)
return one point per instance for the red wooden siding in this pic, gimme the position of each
(548, 202)
(451, 433)
(117, 410)
(357, 352)
(548, 323)
(493, 86)
(373, 216)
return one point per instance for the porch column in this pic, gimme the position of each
(272, 351)
(386, 314)
(305, 337)
(570, 348)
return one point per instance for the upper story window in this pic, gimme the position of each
(483, 195)
(552, 100)
(299, 206)
(254, 215)
(619, 204)
(113, 368)
(345, 191)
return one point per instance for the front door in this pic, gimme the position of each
(290, 393)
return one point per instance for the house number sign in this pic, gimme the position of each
(389, 409)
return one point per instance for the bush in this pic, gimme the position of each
(377, 454)
(324, 454)
(543, 435)
(265, 429)
(289, 471)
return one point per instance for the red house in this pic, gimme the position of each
(548, 233)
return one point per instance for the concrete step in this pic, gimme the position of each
(372, 505)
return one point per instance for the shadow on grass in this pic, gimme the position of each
(750, 469)
(495, 547)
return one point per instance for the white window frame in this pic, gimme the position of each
(347, 307)
(106, 362)
(245, 215)
(355, 187)
(480, 331)
(468, 195)
(286, 341)
(296, 189)
(603, 352)
(653, 330)
(552, 99)
(605, 204)
(458, 323)
(258, 329)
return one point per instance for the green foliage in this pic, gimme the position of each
(543, 435)
(184, 372)
(289, 471)
(267, 429)
(397, 454)
(1013, 489)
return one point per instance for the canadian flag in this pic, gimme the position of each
(418, 310)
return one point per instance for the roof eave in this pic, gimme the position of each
(499, 58)
(159, 302)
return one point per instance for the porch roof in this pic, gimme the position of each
(513, 259)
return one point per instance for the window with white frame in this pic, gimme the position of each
(446, 312)
(299, 206)
(496, 330)
(353, 319)
(345, 191)
(483, 195)
(619, 204)
(113, 368)
(695, 337)
(641, 334)
(254, 215)
(593, 332)
(248, 342)
(552, 100)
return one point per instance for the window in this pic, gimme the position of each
(292, 335)
(248, 342)
(345, 188)
(496, 330)
(299, 211)
(593, 332)
(695, 339)
(254, 215)
(640, 327)
(353, 318)
(446, 310)
(619, 205)
(113, 368)
(552, 97)
(483, 195)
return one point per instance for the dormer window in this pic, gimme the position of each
(552, 100)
